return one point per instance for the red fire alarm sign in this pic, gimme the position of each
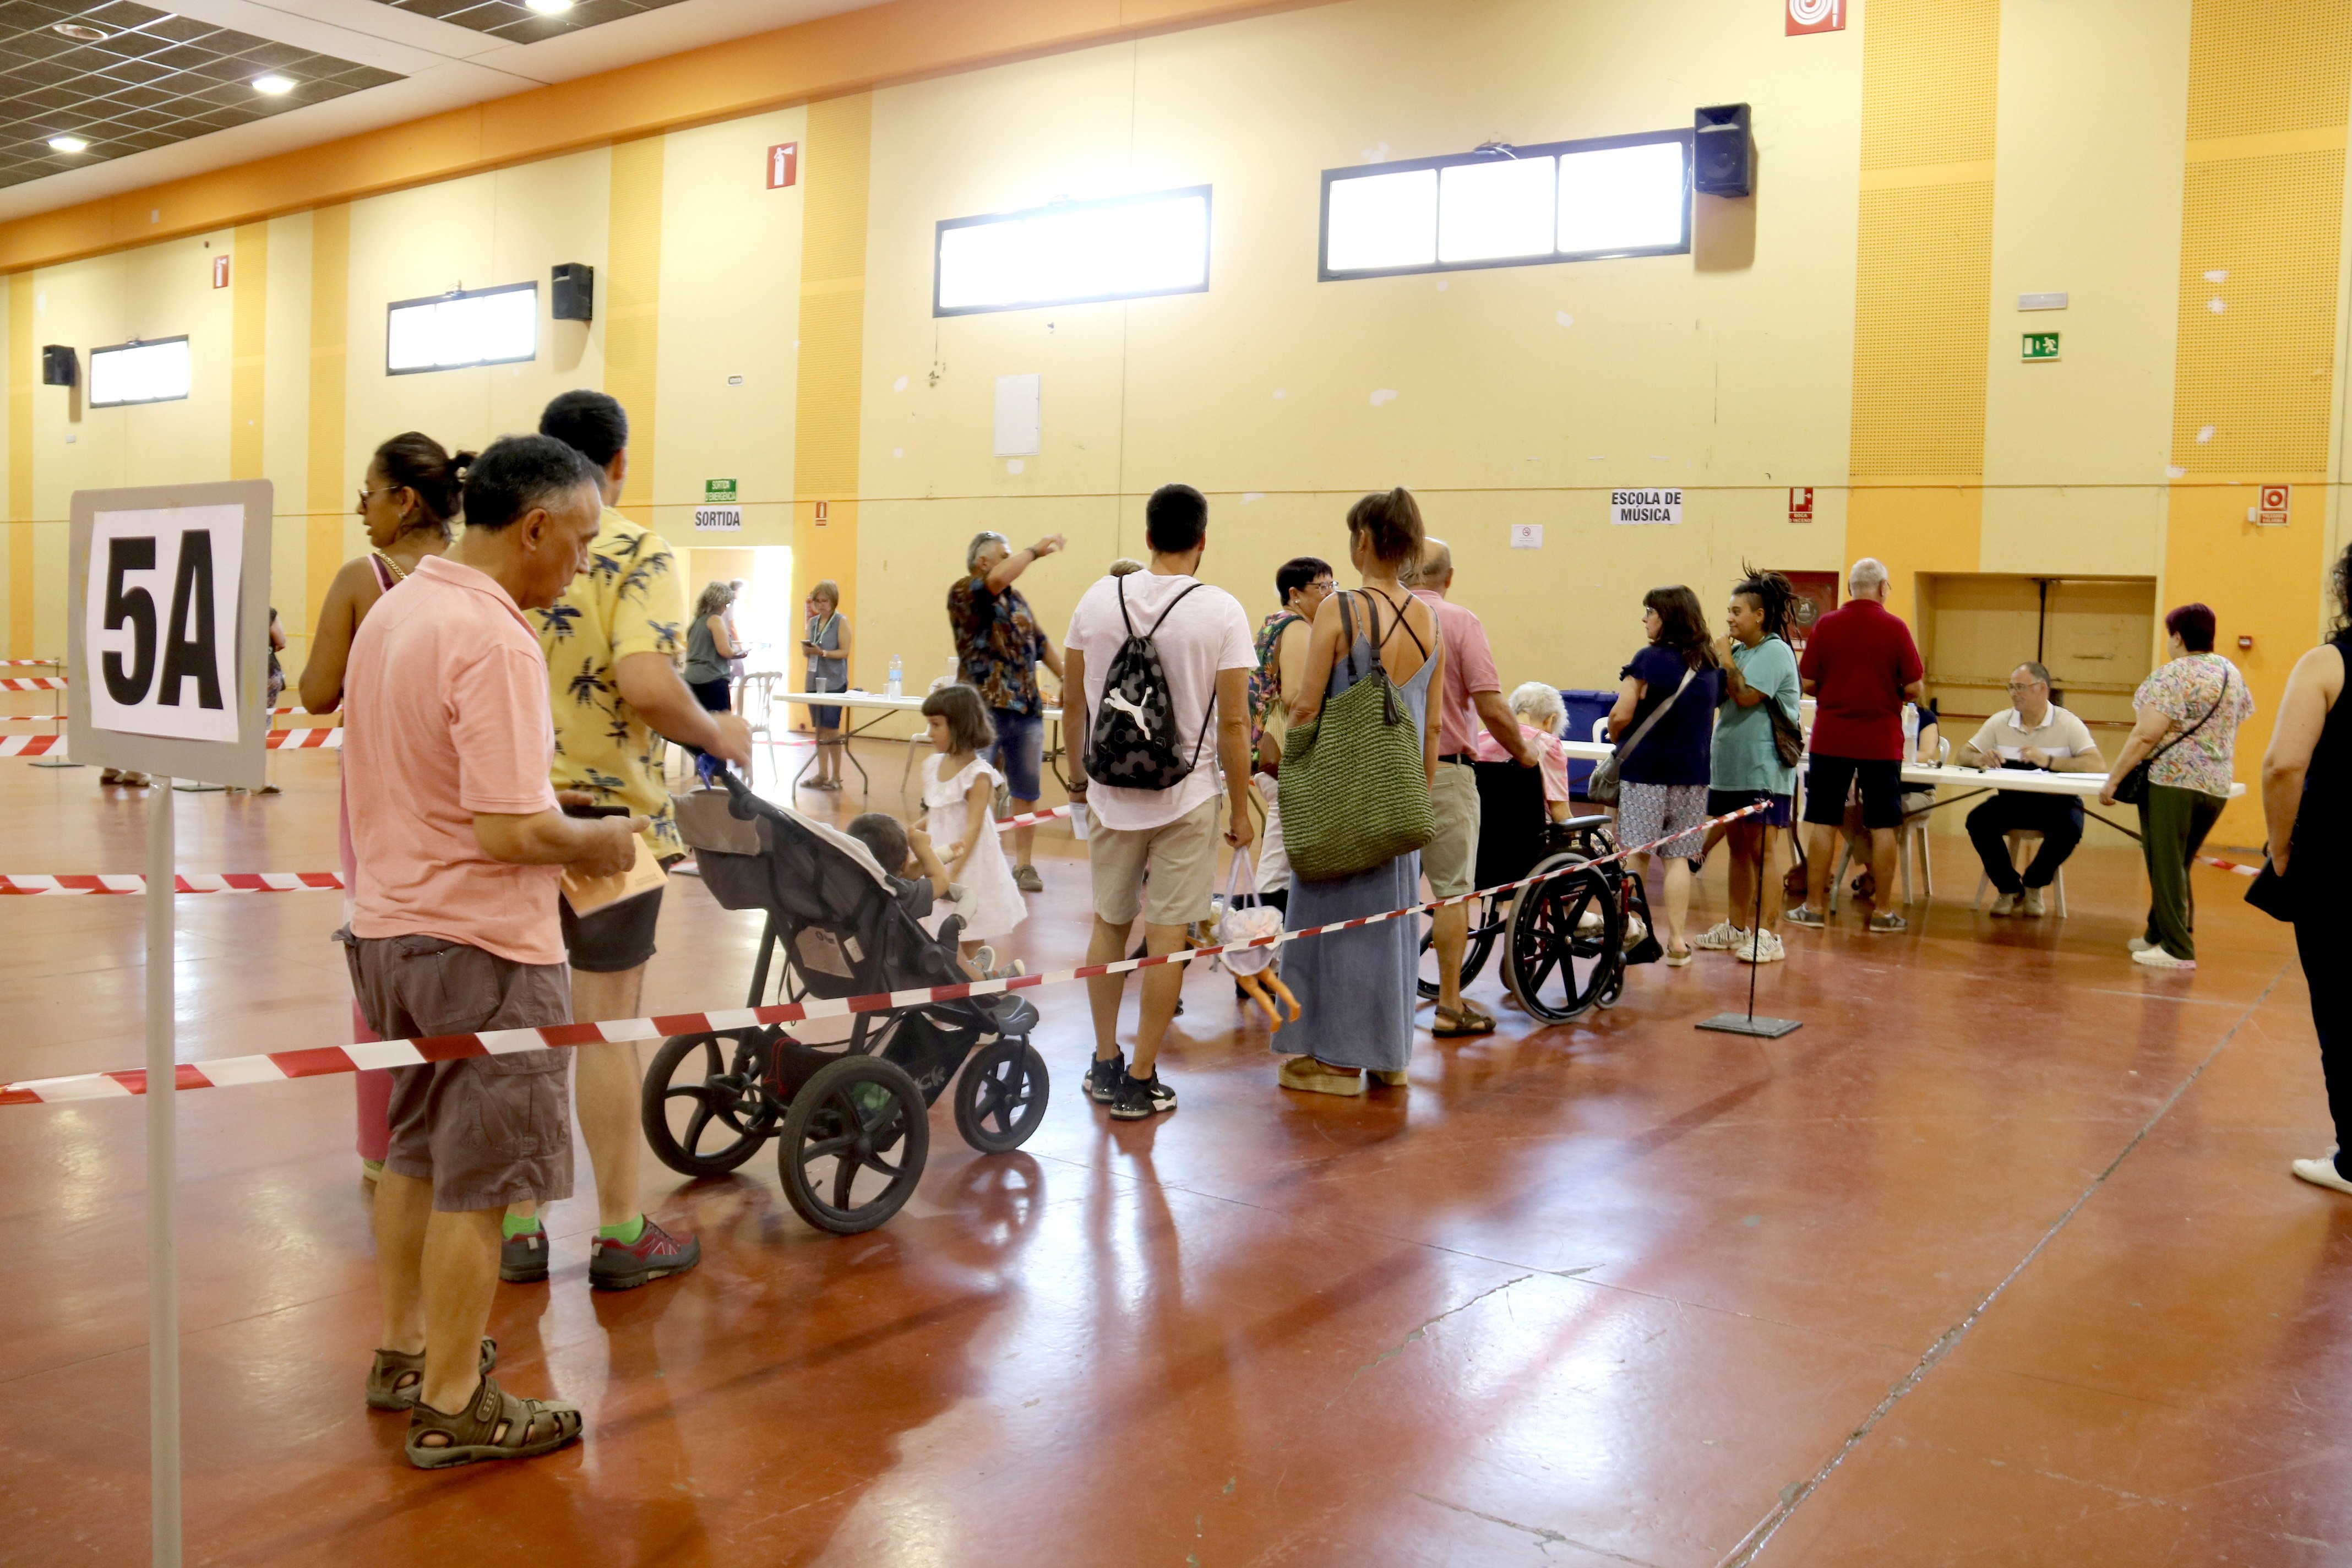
(2271, 509)
(1800, 503)
(823, 513)
(1815, 17)
(783, 166)
(220, 271)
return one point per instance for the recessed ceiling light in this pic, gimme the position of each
(274, 86)
(79, 33)
(550, 8)
(67, 144)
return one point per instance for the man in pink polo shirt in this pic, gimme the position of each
(460, 845)
(1470, 696)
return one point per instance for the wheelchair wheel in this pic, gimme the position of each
(1562, 952)
(703, 1114)
(1001, 1096)
(841, 1131)
(1484, 929)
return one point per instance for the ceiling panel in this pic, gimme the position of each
(524, 24)
(125, 79)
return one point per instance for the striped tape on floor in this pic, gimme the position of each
(275, 1067)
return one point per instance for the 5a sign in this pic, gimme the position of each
(160, 622)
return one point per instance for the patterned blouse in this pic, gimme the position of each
(630, 600)
(998, 645)
(2183, 690)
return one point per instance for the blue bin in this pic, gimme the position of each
(1583, 708)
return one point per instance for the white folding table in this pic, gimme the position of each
(886, 705)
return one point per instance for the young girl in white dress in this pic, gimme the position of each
(959, 797)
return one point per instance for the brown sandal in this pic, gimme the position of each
(494, 1425)
(1455, 1023)
(392, 1380)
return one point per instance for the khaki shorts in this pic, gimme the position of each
(486, 1131)
(1450, 859)
(1181, 860)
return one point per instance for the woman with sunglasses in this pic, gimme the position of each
(412, 489)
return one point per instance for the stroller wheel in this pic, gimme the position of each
(1001, 1098)
(852, 1145)
(703, 1114)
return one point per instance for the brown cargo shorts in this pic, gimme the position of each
(486, 1131)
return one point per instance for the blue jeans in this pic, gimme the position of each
(1019, 751)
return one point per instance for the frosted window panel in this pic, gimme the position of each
(509, 325)
(980, 264)
(410, 341)
(1379, 221)
(1164, 246)
(1491, 211)
(145, 373)
(1622, 198)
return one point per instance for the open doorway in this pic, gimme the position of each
(765, 618)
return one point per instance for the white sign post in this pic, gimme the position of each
(167, 650)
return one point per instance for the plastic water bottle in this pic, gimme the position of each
(1910, 732)
(897, 677)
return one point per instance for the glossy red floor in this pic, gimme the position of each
(1996, 1261)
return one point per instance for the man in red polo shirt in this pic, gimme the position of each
(1860, 666)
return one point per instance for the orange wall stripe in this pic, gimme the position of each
(632, 308)
(249, 314)
(24, 376)
(837, 175)
(330, 258)
(821, 59)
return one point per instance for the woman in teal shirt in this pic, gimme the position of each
(1761, 677)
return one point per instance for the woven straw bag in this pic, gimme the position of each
(1355, 787)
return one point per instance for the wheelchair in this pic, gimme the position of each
(852, 1122)
(1563, 940)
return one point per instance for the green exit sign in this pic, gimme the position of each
(722, 491)
(2040, 345)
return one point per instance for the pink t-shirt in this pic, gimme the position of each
(444, 714)
(1549, 757)
(1469, 669)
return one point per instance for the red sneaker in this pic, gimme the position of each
(655, 1255)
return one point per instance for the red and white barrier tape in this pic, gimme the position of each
(326, 1060)
(1034, 817)
(2221, 865)
(44, 663)
(279, 741)
(184, 882)
(31, 683)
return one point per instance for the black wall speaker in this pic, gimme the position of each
(58, 366)
(1721, 161)
(575, 292)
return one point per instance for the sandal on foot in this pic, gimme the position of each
(392, 1380)
(1458, 1023)
(1311, 1077)
(1391, 1079)
(494, 1425)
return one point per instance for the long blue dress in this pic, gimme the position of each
(1355, 988)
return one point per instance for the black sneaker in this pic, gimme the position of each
(1141, 1097)
(523, 1260)
(1103, 1077)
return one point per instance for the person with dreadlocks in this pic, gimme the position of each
(1760, 696)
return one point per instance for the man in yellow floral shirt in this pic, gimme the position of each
(612, 643)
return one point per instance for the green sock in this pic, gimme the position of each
(625, 1232)
(512, 1226)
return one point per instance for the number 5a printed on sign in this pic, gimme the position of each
(161, 622)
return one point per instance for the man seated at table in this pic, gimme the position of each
(2034, 732)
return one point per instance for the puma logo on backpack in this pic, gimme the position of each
(1132, 745)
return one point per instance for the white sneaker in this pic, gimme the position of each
(1722, 937)
(1764, 947)
(2004, 905)
(2139, 945)
(2321, 1174)
(2029, 906)
(2156, 958)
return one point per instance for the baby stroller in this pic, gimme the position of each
(1563, 939)
(850, 1119)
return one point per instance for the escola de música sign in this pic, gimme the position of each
(1646, 506)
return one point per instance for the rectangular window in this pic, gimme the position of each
(156, 371)
(478, 326)
(1128, 248)
(1565, 201)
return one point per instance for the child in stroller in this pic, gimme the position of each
(851, 1117)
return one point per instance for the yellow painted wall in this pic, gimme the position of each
(1852, 328)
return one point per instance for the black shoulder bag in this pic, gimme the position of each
(2133, 788)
